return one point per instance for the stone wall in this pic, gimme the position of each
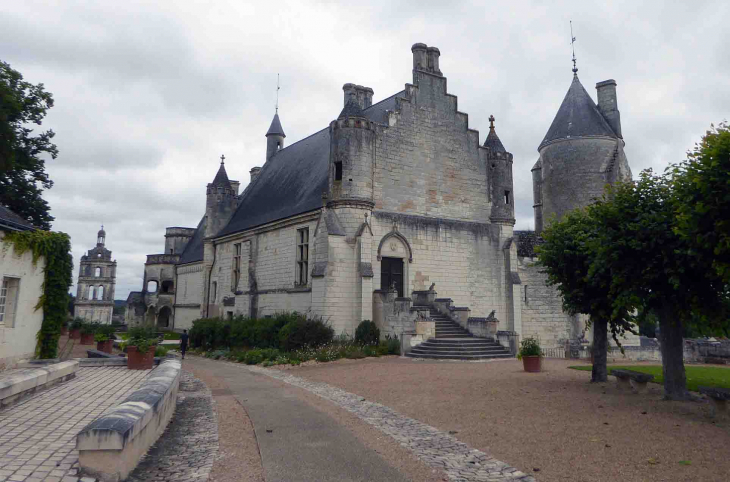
(18, 337)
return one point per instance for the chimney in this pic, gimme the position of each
(608, 105)
(362, 95)
(235, 185)
(350, 93)
(420, 57)
(433, 60)
(254, 174)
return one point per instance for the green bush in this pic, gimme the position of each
(367, 333)
(305, 332)
(253, 357)
(161, 351)
(77, 323)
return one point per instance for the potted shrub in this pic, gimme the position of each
(141, 346)
(76, 325)
(87, 333)
(530, 354)
(104, 338)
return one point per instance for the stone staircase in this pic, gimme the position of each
(452, 342)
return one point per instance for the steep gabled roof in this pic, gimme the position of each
(292, 181)
(578, 116)
(275, 128)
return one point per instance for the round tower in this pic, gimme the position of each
(220, 202)
(500, 178)
(352, 155)
(274, 137)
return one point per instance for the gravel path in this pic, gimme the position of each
(553, 425)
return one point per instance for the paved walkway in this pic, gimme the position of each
(38, 436)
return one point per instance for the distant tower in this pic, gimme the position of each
(274, 137)
(95, 287)
(500, 178)
(221, 201)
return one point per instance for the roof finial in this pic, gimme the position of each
(277, 93)
(491, 122)
(572, 44)
(223, 158)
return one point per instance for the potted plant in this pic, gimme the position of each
(76, 325)
(88, 330)
(104, 338)
(531, 354)
(140, 348)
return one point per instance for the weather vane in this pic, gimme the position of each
(277, 93)
(572, 44)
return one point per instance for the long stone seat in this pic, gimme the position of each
(625, 379)
(16, 385)
(719, 398)
(111, 446)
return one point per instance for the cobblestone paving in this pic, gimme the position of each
(38, 436)
(434, 447)
(185, 452)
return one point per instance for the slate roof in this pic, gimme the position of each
(578, 116)
(194, 249)
(221, 178)
(493, 141)
(10, 220)
(292, 181)
(351, 109)
(275, 127)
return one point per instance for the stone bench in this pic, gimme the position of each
(719, 398)
(111, 446)
(631, 379)
(16, 385)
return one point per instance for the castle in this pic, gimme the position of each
(95, 287)
(389, 206)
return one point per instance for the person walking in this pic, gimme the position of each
(184, 343)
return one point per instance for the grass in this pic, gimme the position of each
(171, 335)
(697, 376)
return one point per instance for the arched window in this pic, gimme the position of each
(100, 293)
(152, 286)
(97, 272)
(168, 286)
(90, 294)
(214, 292)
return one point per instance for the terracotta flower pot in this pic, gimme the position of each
(105, 346)
(137, 360)
(532, 364)
(64, 330)
(87, 338)
(76, 334)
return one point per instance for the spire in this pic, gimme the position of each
(351, 109)
(101, 236)
(221, 178)
(492, 141)
(275, 129)
(572, 44)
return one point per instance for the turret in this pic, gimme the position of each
(101, 237)
(500, 178)
(274, 137)
(220, 203)
(352, 150)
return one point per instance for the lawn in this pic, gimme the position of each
(171, 335)
(697, 376)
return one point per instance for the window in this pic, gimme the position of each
(172, 250)
(100, 293)
(525, 293)
(8, 300)
(214, 292)
(236, 266)
(338, 171)
(302, 256)
(506, 197)
(90, 294)
(97, 273)
(229, 315)
(152, 286)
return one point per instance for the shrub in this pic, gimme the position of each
(354, 353)
(89, 328)
(393, 344)
(161, 351)
(305, 332)
(529, 347)
(367, 333)
(253, 357)
(77, 323)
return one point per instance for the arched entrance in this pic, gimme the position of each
(150, 316)
(163, 318)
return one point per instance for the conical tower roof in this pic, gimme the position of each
(275, 129)
(578, 116)
(221, 178)
(492, 141)
(351, 109)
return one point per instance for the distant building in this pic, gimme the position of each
(95, 287)
(21, 286)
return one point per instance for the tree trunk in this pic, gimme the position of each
(672, 347)
(599, 373)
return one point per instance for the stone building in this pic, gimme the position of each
(21, 286)
(95, 287)
(370, 218)
(581, 153)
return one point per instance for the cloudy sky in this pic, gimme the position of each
(150, 94)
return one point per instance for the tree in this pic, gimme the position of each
(22, 168)
(650, 267)
(567, 255)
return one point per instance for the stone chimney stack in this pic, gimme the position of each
(254, 173)
(235, 185)
(426, 59)
(362, 95)
(608, 104)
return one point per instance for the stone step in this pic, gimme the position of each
(452, 335)
(456, 356)
(462, 351)
(472, 340)
(458, 342)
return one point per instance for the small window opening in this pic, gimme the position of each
(230, 315)
(506, 197)
(525, 293)
(302, 274)
(152, 286)
(338, 171)
(172, 250)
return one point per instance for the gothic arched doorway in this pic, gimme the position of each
(163, 318)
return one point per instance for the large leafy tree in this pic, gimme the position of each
(22, 168)
(568, 256)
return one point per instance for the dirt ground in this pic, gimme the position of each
(555, 424)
